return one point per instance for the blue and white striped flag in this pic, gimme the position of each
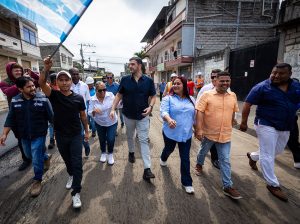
(56, 16)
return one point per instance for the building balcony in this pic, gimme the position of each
(177, 22)
(10, 44)
(179, 61)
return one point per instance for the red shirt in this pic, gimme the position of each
(191, 85)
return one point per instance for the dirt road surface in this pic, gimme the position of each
(117, 194)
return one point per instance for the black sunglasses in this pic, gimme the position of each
(109, 77)
(101, 90)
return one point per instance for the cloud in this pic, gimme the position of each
(115, 27)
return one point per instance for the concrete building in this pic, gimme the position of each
(169, 42)
(19, 43)
(289, 26)
(62, 59)
(197, 35)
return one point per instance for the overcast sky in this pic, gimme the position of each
(115, 27)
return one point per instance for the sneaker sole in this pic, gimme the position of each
(186, 191)
(76, 207)
(229, 195)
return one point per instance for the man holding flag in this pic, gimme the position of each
(69, 112)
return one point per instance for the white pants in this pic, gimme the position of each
(271, 143)
(142, 129)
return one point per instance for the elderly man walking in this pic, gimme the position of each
(135, 91)
(276, 99)
(216, 109)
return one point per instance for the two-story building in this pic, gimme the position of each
(169, 42)
(19, 43)
(197, 35)
(62, 59)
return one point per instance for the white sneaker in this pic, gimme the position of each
(69, 183)
(110, 159)
(162, 163)
(188, 189)
(103, 158)
(297, 165)
(76, 201)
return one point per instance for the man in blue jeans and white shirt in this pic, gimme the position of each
(135, 91)
(29, 114)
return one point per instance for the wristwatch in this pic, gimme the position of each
(151, 106)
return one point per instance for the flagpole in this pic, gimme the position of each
(61, 42)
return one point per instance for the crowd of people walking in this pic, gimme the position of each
(69, 107)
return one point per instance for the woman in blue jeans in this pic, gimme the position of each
(99, 108)
(178, 113)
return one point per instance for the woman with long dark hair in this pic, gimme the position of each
(178, 113)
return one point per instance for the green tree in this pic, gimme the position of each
(78, 66)
(141, 54)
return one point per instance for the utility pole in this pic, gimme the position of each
(81, 53)
(90, 65)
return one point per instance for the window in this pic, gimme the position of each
(166, 56)
(179, 48)
(70, 60)
(63, 58)
(29, 36)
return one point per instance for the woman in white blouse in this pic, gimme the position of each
(99, 108)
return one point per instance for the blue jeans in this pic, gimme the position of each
(92, 124)
(184, 152)
(34, 149)
(70, 149)
(51, 131)
(85, 144)
(223, 150)
(107, 135)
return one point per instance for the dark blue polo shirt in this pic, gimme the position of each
(136, 95)
(275, 107)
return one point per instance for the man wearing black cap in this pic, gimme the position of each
(69, 111)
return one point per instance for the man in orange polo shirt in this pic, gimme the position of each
(215, 116)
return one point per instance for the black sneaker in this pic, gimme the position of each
(24, 165)
(215, 163)
(131, 157)
(148, 174)
(51, 144)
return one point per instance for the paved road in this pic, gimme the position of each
(118, 194)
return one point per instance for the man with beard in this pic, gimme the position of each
(29, 115)
(9, 88)
(135, 91)
(69, 115)
(276, 99)
(215, 116)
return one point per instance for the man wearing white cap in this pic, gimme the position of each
(69, 112)
(199, 82)
(170, 84)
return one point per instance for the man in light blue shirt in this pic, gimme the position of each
(113, 87)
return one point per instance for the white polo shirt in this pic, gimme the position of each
(82, 89)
